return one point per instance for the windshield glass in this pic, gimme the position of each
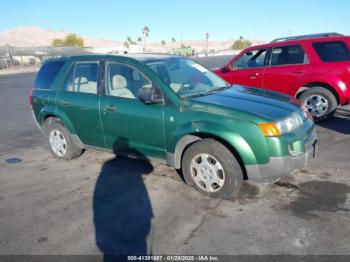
(186, 77)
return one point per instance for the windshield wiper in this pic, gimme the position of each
(194, 95)
(215, 90)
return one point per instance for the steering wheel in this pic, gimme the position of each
(187, 85)
(241, 66)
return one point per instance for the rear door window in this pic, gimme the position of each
(332, 51)
(47, 74)
(83, 78)
(288, 55)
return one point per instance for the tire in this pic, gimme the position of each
(55, 130)
(221, 172)
(328, 102)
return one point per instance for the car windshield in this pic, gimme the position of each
(186, 77)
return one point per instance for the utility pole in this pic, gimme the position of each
(206, 47)
(10, 54)
(181, 46)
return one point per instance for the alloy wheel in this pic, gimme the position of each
(317, 105)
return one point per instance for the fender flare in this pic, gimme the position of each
(51, 111)
(54, 112)
(185, 136)
(338, 91)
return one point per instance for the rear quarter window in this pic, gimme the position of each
(47, 74)
(332, 51)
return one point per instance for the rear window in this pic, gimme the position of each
(47, 74)
(332, 51)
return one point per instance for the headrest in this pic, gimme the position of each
(81, 80)
(119, 82)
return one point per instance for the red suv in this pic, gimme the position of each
(313, 68)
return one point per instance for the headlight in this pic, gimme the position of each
(282, 126)
(290, 123)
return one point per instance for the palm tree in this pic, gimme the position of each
(139, 39)
(163, 43)
(126, 45)
(173, 40)
(145, 32)
(130, 41)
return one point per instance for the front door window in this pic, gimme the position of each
(124, 81)
(251, 59)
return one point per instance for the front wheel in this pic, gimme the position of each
(320, 102)
(212, 169)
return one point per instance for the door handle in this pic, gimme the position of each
(65, 102)
(299, 71)
(254, 76)
(111, 108)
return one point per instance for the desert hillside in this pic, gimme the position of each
(35, 36)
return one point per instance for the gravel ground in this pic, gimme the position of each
(101, 203)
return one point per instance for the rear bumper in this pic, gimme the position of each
(36, 121)
(283, 166)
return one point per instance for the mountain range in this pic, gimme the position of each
(29, 36)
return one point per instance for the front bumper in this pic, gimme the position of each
(283, 166)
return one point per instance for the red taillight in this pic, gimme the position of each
(31, 98)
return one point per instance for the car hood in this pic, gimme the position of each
(263, 103)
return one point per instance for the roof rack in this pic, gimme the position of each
(305, 37)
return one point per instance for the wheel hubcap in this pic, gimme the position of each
(207, 172)
(317, 105)
(58, 143)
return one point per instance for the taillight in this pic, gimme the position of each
(31, 98)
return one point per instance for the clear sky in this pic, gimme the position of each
(191, 19)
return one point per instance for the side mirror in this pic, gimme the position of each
(229, 68)
(149, 94)
(226, 68)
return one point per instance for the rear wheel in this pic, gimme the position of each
(320, 102)
(212, 169)
(60, 141)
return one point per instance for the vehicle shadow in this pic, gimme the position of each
(122, 208)
(339, 123)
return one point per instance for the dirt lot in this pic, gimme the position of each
(100, 203)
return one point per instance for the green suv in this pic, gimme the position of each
(174, 109)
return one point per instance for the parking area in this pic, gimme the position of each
(101, 203)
